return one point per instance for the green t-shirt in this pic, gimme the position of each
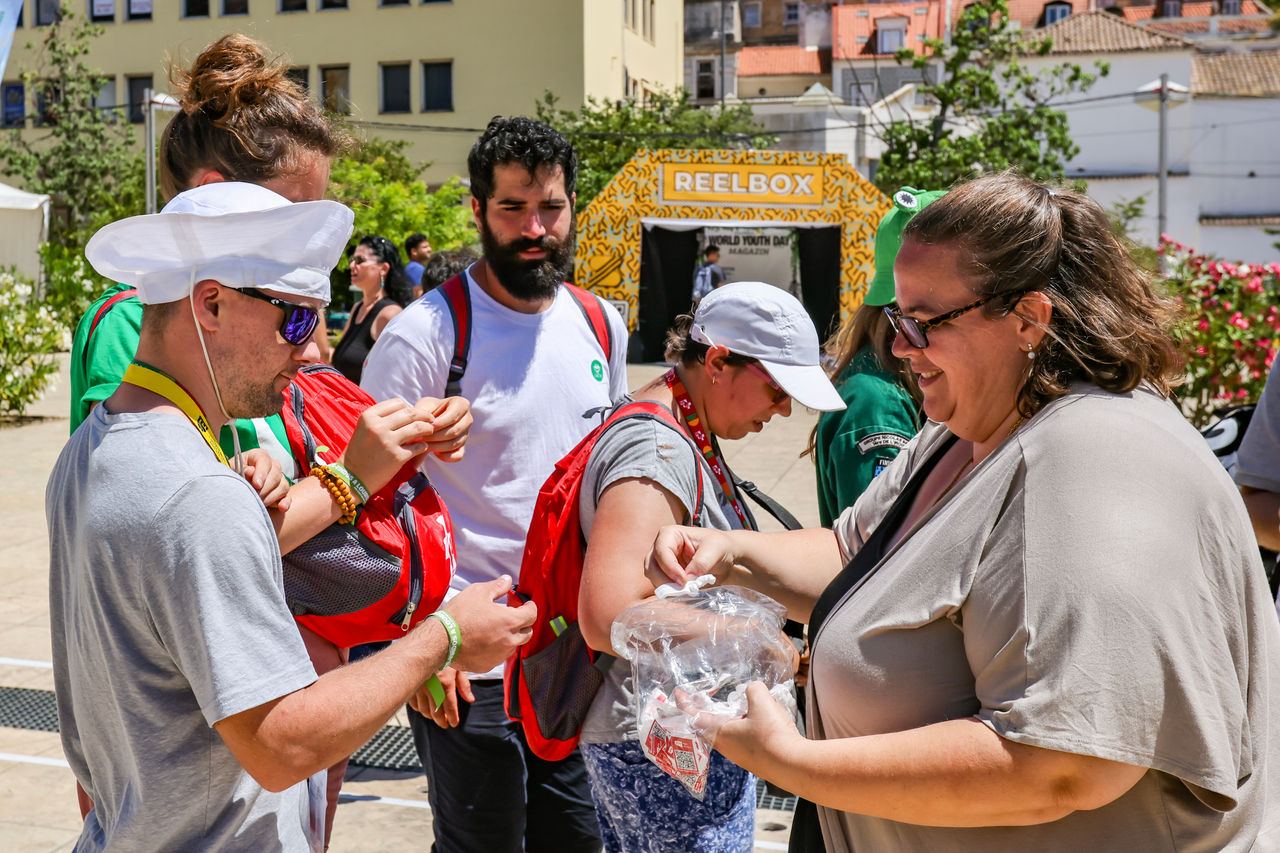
(856, 444)
(98, 363)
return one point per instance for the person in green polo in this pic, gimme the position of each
(883, 412)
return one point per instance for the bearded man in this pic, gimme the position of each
(535, 367)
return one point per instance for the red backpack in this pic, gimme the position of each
(551, 680)
(374, 579)
(457, 296)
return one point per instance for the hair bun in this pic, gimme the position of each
(229, 75)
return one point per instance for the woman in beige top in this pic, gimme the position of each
(1053, 631)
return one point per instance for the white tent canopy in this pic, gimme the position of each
(24, 222)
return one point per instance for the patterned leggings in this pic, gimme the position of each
(643, 810)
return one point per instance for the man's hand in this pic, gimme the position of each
(264, 474)
(452, 417)
(491, 631)
(387, 435)
(456, 684)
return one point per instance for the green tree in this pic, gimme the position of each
(376, 180)
(81, 155)
(607, 134)
(993, 111)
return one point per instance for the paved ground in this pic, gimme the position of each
(382, 810)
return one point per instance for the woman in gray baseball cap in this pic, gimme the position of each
(748, 351)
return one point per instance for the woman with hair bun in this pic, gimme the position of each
(243, 119)
(385, 290)
(1045, 626)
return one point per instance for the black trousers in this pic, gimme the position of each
(490, 794)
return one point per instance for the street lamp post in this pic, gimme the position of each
(153, 101)
(1160, 95)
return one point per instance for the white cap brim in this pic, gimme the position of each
(807, 384)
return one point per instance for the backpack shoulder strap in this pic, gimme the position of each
(659, 412)
(107, 306)
(592, 308)
(457, 295)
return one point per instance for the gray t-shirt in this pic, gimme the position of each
(651, 450)
(1092, 587)
(1258, 462)
(168, 615)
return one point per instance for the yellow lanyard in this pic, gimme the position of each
(158, 383)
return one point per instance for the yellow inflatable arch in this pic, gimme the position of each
(748, 188)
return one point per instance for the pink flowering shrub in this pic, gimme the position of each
(1231, 327)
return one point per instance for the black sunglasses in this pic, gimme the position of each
(915, 331)
(299, 320)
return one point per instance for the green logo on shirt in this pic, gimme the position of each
(597, 370)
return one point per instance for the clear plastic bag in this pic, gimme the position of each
(693, 651)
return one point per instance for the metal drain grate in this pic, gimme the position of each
(23, 708)
(765, 800)
(390, 749)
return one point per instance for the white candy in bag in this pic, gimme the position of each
(693, 651)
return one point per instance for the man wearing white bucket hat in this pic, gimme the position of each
(189, 711)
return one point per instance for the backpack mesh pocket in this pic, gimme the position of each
(338, 571)
(562, 683)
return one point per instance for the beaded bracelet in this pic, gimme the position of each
(455, 634)
(340, 491)
(353, 482)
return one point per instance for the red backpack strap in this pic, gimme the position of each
(457, 295)
(657, 411)
(107, 306)
(593, 309)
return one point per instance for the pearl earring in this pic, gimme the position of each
(1031, 351)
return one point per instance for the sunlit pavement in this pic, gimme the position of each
(382, 810)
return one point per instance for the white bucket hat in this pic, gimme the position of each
(240, 235)
(766, 323)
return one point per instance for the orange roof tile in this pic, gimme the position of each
(853, 27)
(1253, 73)
(788, 59)
(1177, 26)
(1030, 13)
(1200, 9)
(1102, 32)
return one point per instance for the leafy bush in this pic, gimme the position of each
(29, 337)
(1231, 328)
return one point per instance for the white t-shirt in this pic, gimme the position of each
(531, 380)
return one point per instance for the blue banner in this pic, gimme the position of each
(9, 12)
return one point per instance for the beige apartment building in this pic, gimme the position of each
(430, 71)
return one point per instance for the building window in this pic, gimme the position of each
(47, 12)
(791, 14)
(649, 23)
(195, 8)
(138, 87)
(1054, 12)
(395, 87)
(138, 10)
(706, 82)
(891, 34)
(393, 2)
(47, 98)
(861, 94)
(333, 4)
(750, 16)
(293, 5)
(301, 75)
(15, 105)
(235, 7)
(102, 11)
(1171, 9)
(106, 100)
(437, 86)
(335, 88)
(1230, 7)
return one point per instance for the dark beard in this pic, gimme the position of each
(531, 281)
